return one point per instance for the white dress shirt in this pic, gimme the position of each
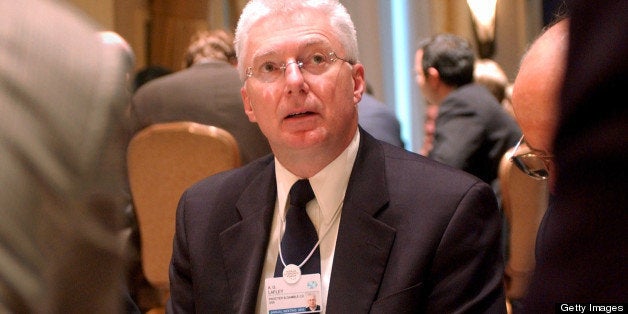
(329, 187)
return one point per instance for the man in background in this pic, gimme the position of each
(472, 131)
(63, 88)
(207, 91)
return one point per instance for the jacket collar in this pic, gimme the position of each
(361, 236)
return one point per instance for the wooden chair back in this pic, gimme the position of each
(163, 160)
(524, 201)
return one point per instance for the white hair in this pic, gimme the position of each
(339, 20)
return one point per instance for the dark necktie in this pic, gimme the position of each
(300, 236)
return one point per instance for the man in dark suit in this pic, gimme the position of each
(472, 130)
(397, 232)
(207, 92)
(583, 242)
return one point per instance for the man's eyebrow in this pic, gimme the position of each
(264, 54)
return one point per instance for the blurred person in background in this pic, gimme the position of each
(147, 74)
(207, 91)
(472, 131)
(490, 74)
(429, 127)
(379, 119)
(63, 90)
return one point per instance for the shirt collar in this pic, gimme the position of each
(329, 184)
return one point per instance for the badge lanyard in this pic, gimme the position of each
(292, 272)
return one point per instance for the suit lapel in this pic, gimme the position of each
(244, 244)
(364, 242)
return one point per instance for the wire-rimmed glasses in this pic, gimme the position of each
(315, 63)
(534, 163)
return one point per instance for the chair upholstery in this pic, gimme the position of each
(163, 160)
(524, 201)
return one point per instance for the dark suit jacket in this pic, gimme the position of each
(473, 132)
(207, 93)
(379, 120)
(414, 234)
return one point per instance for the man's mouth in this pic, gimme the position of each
(298, 114)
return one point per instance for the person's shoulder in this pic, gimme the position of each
(214, 69)
(371, 106)
(470, 93)
(157, 84)
(402, 164)
(471, 99)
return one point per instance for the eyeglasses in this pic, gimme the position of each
(315, 63)
(534, 163)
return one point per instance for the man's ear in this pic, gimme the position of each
(432, 76)
(248, 106)
(359, 84)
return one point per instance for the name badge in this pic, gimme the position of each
(303, 296)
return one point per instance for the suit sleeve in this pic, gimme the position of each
(181, 296)
(468, 266)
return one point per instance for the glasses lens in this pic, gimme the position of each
(317, 63)
(532, 165)
(268, 71)
(314, 62)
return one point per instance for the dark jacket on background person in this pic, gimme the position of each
(207, 93)
(473, 132)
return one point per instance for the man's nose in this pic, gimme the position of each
(292, 70)
(294, 77)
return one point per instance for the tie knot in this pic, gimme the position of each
(300, 193)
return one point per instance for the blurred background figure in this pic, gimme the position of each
(149, 73)
(429, 127)
(527, 172)
(378, 119)
(490, 74)
(583, 240)
(472, 131)
(207, 91)
(63, 88)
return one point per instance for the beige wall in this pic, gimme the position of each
(126, 17)
(131, 21)
(100, 10)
